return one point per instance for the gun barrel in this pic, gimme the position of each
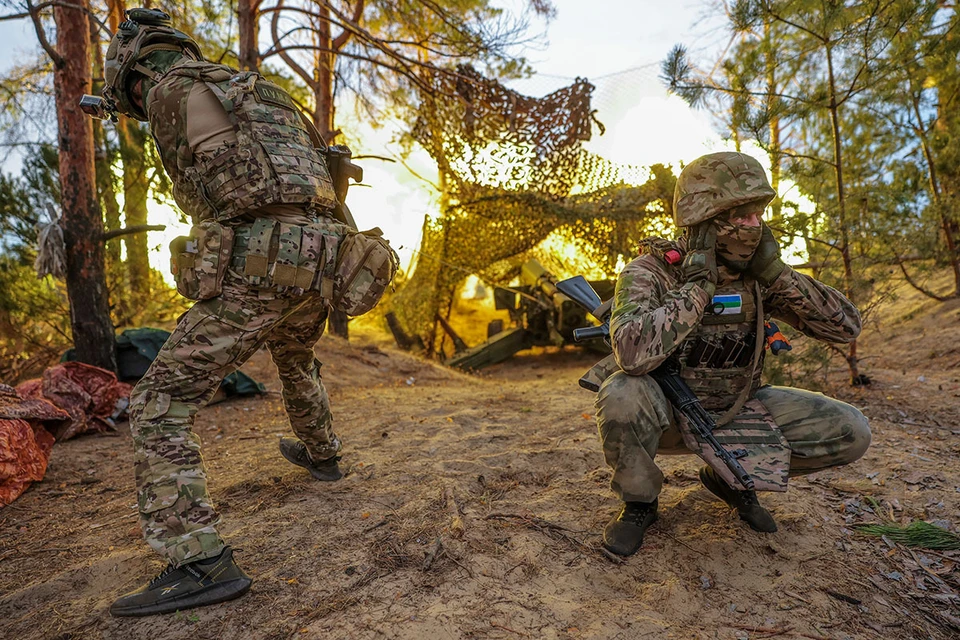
(588, 333)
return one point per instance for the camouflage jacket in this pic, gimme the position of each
(654, 310)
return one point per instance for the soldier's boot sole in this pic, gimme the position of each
(213, 594)
(745, 502)
(626, 538)
(296, 452)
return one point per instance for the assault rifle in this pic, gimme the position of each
(667, 377)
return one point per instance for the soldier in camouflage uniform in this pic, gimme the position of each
(245, 165)
(697, 300)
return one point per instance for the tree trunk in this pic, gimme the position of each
(135, 187)
(848, 278)
(82, 221)
(104, 156)
(248, 23)
(323, 115)
(935, 194)
(135, 190)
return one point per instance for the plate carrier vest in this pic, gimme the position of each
(273, 161)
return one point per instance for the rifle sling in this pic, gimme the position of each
(731, 413)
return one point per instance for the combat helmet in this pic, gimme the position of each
(716, 182)
(144, 32)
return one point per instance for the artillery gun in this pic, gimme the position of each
(541, 315)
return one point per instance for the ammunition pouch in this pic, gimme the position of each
(365, 268)
(199, 261)
(287, 257)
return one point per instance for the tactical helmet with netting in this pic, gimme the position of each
(144, 32)
(717, 182)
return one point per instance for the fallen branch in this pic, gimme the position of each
(544, 526)
(432, 555)
(457, 527)
(771, 631)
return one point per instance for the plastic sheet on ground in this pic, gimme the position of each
(25, 443)
(93, 397)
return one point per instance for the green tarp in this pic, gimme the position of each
(136, 349)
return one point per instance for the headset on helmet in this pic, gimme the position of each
(145, 31)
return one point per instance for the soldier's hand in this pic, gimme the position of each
(766, 265)
(700, 263)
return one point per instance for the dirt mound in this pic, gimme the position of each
(472, 508)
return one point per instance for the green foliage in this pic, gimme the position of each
(24, 201)
(34, 321)
(918, 533)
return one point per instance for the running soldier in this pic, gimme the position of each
(252, 173)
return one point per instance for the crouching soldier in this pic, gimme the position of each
(703, 300)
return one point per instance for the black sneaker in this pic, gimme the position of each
(745, 502)
(624, 534)
(191, 585)
(296, 452)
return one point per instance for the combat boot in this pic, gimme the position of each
(296, 452)
(745, 502)
(190, 585)
(623, 535)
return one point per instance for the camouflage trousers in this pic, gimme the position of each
(636, 422)
(212, 340)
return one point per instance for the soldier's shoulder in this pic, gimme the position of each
(645, 267)
(193, 70)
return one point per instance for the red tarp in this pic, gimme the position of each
(89, 394)
(24, 442)
(71, 398)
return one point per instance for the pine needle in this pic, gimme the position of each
(919, 534)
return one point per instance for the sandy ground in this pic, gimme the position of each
(473, 505)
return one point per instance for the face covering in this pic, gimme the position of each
(736, 243)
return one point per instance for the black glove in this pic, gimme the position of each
(766, 265)
(700, 263)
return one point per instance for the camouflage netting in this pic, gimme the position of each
(513, 172)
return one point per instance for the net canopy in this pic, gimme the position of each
(517, 184)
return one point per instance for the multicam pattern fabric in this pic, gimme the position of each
(304, 256)
(736, 243)
(636, 423)
(656, 316)
(199, 261)
(654, 310)
(365, 268)
(718, 182)
(754, 431)
(273, 161)
(211, 340)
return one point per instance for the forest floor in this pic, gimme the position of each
(473, 505)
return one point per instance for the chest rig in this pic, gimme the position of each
(717, 358)
(721, 361)
(273, 161)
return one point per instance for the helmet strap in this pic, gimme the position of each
(147, 71)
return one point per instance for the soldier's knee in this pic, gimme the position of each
(634, 401)
(856, 433)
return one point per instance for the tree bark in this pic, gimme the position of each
(82, 221)
(848, 278)
(249, 27)
(136, 188)
(105, 156)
